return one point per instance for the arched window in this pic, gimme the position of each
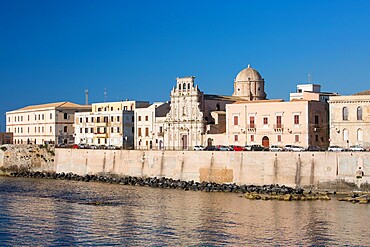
(345, 134)
(184, 86)
(179, 86)
(359, 113)
(360, 135)
(345, 113)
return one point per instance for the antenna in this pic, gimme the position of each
(309, 78)
(86, 97)
(105, 94)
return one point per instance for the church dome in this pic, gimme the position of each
(249, 74)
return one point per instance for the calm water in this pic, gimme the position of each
(35, 212)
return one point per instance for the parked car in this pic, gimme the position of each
(61, 145)
(288, 148)
(198, 148)
(223, 148)
(314, 148)
(335, 149)
(248, 148)
(211, 148)
(75, 146)
(111, 147)
(356, 148)
(83, 145)
(102, 147)
(238, 148)
(275, 148)
(93, 146)
(297, 148)
(257, 147)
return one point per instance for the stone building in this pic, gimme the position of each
(109, 123)
(350, 120)
(46, 123)
(191, 111)
(150, 125)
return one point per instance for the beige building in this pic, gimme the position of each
(275, 122)
(249, 85)
(149, 126)
(109, 123)
(350, 120)
(191, 112)
(46, 123)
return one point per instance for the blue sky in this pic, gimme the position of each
(53, 50)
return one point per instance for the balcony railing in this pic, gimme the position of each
(251, 127)
(278, 127)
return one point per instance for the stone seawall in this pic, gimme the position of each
(305, 169)
(26, 157)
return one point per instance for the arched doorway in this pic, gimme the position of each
(209, 142)
(265, 142)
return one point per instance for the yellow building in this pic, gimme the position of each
(45, 123)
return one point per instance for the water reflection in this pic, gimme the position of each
(53, 212)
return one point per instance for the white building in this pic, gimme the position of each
(109, 123)
(191, 112)
(46, 123)
(149, 126)
(350, 120)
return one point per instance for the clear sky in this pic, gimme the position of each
(53, 50)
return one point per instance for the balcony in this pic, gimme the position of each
(278, 128)
(251, 127)
(101, 135)
(161, 134)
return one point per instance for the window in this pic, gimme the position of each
(296, 138)
(111, 130)
(117, 129)
(236, 120)
(278, 138)
(111, 108)
(317, 119)
(316, 138)
(117, 118)
(91, 130)
(51, 116)
(265, 120)
(345, 134)
(42, 129)
(296, 119)
(251, 121)
(359, 113)
(236, 138)
(105, 119)
(80, 119)
(360, 135)
(86, 130)
(160, 129)
(252, 138)
(80, 130)
(65, 116)
(139, 118)
(146, 131)
(146, 118)
(184, 86)
(111, 118)
(65, 129)
(139, 131)
(278, 121)
(42, 117)
(98, 119)
(345, 113)
(179, 86)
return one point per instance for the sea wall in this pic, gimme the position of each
(27, 157)
(289, 168)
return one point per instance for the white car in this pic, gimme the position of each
(356, 148)
(335, 149)
(198, 148)
(297, 148)
(275, 148)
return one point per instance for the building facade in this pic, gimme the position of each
(275, 122)
(150, 125)
(350, 120)
(109, 123)
(191, 112)
(6, 138)
(47, 123)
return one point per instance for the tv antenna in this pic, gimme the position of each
(86, 97)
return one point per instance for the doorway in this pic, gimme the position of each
(265, 142)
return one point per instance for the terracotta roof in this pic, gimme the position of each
(366, 92)
(64, 104)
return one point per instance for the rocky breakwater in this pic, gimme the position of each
(162, 182)
(17, 158)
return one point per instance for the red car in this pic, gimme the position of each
(239, 148)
